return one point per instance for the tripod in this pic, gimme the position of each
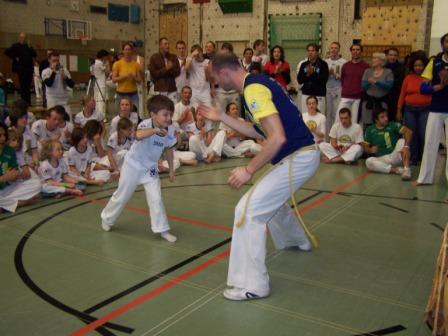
(93, 83)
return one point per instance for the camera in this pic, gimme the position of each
(58, 67)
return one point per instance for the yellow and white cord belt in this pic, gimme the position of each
(290, 158)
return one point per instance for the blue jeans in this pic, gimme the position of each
(415, 118)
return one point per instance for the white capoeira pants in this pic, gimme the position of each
(352, 154)
(197, 145)
(321, 104)
(130, 177)
(201, 97)
(22, 190)
(243, 147)
(385, 163)
(178, 157)
(352, 105)
(268, 207)
(100, 98)
(51, 102)
(333, 100)
(434, 128)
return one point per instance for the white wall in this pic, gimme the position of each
(439, 26)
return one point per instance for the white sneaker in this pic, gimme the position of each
(106, 227)
(406, 175)
(240, 294)
(305, 247)
(168, 236)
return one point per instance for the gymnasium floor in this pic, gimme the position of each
(62, 275)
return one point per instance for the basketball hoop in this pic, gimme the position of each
(83, 40)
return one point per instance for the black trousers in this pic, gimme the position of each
(25, 79)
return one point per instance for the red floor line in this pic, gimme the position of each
(141, 299)
(184, 276)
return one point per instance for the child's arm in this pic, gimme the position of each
(209, 138)
(144, 133)
(110, 155)
(99, 146)
(69, 181)
(169, 155)
(26, 173)
(74, 170)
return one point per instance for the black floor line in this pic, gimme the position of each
(20, 267)
(441, 228)
(155, 277)
(386, 331)
(394, 207)
(306, 199)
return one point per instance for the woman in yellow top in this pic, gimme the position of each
(127, 73)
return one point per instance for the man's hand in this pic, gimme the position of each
(238, 177)
(169, 65)
(309, 69)
(210, 112)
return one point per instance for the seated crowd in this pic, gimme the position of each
(353, 110)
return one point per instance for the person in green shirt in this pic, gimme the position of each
(390, 151)
(13, 192)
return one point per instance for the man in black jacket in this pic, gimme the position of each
(313, 76)
(23, 57)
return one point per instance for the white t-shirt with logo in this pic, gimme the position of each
(41, 131)
(114, 122)
(58, 91)
(233, 142)
(313, 122)
(347, 136)
(179, 109)
(80, 159)
(64, 139)
(198, 80)
(48, 172)
(113, 143)
(81, 119)
(145, 153)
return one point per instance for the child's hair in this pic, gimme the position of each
(93, 127)
(255, 67)
(47, 149)
(85, 100)
(159, 102)
(196, 47)
(5, 128)
(20, 104)
(124, 124)
(58, 109)
(17, 113)
(257, 43)
(129, 99)
(61, 111)
(15, 134)
(315, 99)
(229, 105)
(77, 135)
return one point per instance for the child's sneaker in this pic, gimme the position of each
(106, 227)
(240, 294)
(406, 174)
(168, 236)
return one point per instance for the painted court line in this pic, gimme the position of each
(184, 276)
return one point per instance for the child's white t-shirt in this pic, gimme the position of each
(116, 147)
(233, 142)
(81, 119)
(179, 109)
(316, 121)
(48, 172)
(80, 159)
(41, 131)
(114, 122)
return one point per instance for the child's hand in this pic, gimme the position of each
(161, 131)
(11, 175)
(56, 136)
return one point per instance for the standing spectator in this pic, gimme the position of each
(391, 154)
(335, 63)
(259, 53)
(210, 50)
(313, 76)
(346, 140)
(415, 105)
(126, 73)
(376, 84)
(101, 72)
(23, 58)
(246, 61)
(225, 97)
(198, 71)
(277, 67)
(182, 79)
(43, 65)
(437, 73)
(56, 79)
(351, 78)
(3, 99)
(398, 70)
(164, 68)
(37, 82)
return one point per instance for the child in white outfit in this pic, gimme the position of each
(153, 137)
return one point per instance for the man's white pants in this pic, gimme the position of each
(385, 163)
(243, 147)
(434, 128)
(130, 178)
(352, 154)
(53, 102)
(201, 97)
(268, 207)
(19, 191)
(197, 145)
(333, 100)
(353, 105)
(321, 104)
(100, 99)
(171, 95)
(223, 98)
